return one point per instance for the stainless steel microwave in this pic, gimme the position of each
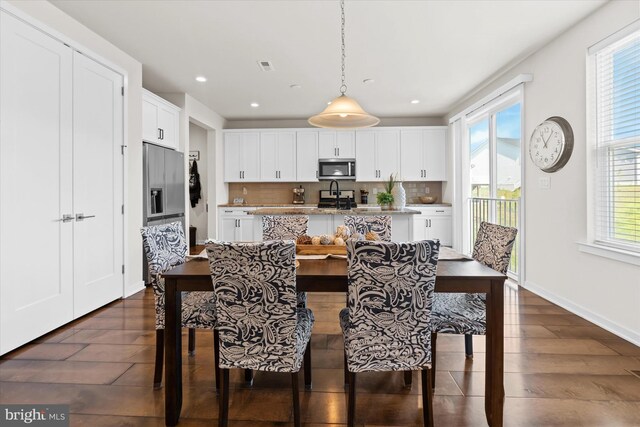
(337, 169)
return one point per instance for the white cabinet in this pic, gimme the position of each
(63, 112)
(237, 225)
(160, 121)
(278, 156)
(433, 223)
(423, 154)
(242, 156)
(307, 156)
(337, 145)
(377, 154)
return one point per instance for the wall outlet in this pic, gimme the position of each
(427, 190)
(244, 191)
(375, 191)
(544, 182)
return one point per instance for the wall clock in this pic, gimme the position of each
(551, 144)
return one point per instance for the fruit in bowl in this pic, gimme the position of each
(428, 199)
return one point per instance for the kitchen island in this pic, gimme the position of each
(325, 221)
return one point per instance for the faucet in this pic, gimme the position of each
(337, 192)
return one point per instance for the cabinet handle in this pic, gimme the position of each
(316, 174)
(162, 133)
(159, 133)
(338, 151)
(440, 211)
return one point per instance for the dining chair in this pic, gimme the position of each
(286, 227)
(458, 313)
(387, 323)
(165, 247)
(261, 327)
(379, 224)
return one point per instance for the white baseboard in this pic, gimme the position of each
(613, 327)
(134, 288)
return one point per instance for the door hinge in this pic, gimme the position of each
(122, 90)
(206, 206)
(122, 147)
(122, 268)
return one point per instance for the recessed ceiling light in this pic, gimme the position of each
(255, 104)
(367, 81)
(329, 103)
(295, 86)
(201, 79)
(415, 101)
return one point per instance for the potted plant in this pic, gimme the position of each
(385, 200)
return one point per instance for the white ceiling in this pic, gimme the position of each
(434, 51)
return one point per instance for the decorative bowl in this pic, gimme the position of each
(428, 199)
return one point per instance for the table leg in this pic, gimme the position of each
(173, 352)
(494, 364)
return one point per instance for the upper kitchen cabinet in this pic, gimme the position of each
(377, 154)
(241, 156)
(337, 145)
(278, 156)
(423, 154)
(159, 121)
(307, 156)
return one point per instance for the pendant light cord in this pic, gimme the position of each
(343, 87)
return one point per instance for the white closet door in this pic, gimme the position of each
(97, 184)
(36, 251)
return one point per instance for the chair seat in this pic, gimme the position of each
(455, 313)
(277, 361)
(372, 353)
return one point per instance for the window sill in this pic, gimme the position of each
(611, 253)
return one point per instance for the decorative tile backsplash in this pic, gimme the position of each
(282, 193)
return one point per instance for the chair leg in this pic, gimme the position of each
(296, 399)
(346, 371)
(192, 341)
(223, 413)
(408, 379)
(157, 376)
(307, 366)
(468, 345)
(216, 356)
(434, 338)
(427, 397)
(248, 377)
(351, 417)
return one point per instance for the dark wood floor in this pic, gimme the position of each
(560, 370)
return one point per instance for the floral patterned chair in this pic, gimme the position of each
(165, 247)
(261, 328)
(283, 227)
(387, 324)
(380, 224)
(457, 313)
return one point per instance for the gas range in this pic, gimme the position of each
(328, 199)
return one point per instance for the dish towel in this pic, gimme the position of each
(194, 184)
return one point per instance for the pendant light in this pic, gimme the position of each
(343, 112)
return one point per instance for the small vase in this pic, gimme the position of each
(399, 196)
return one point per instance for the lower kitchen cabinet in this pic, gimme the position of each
(237, 225)
(433, 223)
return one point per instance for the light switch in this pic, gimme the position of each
(544, 182)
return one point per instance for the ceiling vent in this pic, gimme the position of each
(265, 65)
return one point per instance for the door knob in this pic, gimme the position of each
(81, 216)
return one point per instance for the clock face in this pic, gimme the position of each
(549, 147)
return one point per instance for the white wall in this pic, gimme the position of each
(93, 45)
(198, 215)
(198, 113)
(605, 291)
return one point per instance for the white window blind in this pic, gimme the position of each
(617, 186)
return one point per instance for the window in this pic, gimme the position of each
(616, 85)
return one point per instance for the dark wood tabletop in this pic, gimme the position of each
(330, 275)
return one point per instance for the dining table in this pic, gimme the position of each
(330, 275)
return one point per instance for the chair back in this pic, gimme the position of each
(165, 247)
(380, 224)
(493, 245)
(255, 287)
(282, 227)
(391, 288)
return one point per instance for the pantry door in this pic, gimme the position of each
(36, 247)
(97, 184)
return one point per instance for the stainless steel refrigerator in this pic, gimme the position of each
(163, 188)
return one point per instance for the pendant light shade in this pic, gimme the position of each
(344, 112)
